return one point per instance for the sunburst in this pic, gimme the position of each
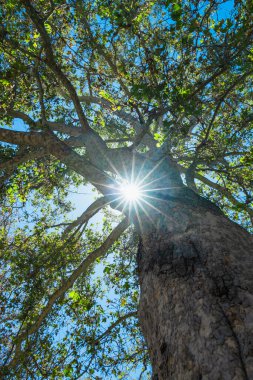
(131, 192)
(137, 191)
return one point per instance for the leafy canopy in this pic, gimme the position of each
(85, 87)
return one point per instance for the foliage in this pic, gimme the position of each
(88, 83)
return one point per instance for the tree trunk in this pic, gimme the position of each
(196, 277)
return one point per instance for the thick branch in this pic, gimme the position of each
(53, 125)
(61, 151)
(21, 115)
(64, 128)
(22, 138)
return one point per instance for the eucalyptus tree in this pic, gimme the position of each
(150, 102)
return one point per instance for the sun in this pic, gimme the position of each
(131, 192)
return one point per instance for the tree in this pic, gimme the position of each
(157, 94)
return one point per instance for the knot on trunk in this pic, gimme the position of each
(223, 284)
(177, 259)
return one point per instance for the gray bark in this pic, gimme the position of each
(196, 277)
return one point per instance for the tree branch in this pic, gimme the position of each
(88, 213)
(222, 98)
(140, 129)
(41, 96)
(221, 189)
(106, 56)
(23, 138)
(21, 158)
(21, 115)
(127, 117)
(63, 152)
(66, 285)
(53, 125)
(50, 61)
(64, 128)
(115, 324)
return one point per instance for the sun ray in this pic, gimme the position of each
(146, 213)
(138, 217)
(140, 171)
(155, 208)
(151, 171)
(162, 188)
(133, 170)
(148, 188)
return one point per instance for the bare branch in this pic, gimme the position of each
(89, 213)
(115, 324)
(140, 129)
(118, 140)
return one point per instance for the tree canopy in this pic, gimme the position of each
(100, 92)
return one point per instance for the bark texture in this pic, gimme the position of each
(196, 276)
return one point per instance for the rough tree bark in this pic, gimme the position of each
(195, 269)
